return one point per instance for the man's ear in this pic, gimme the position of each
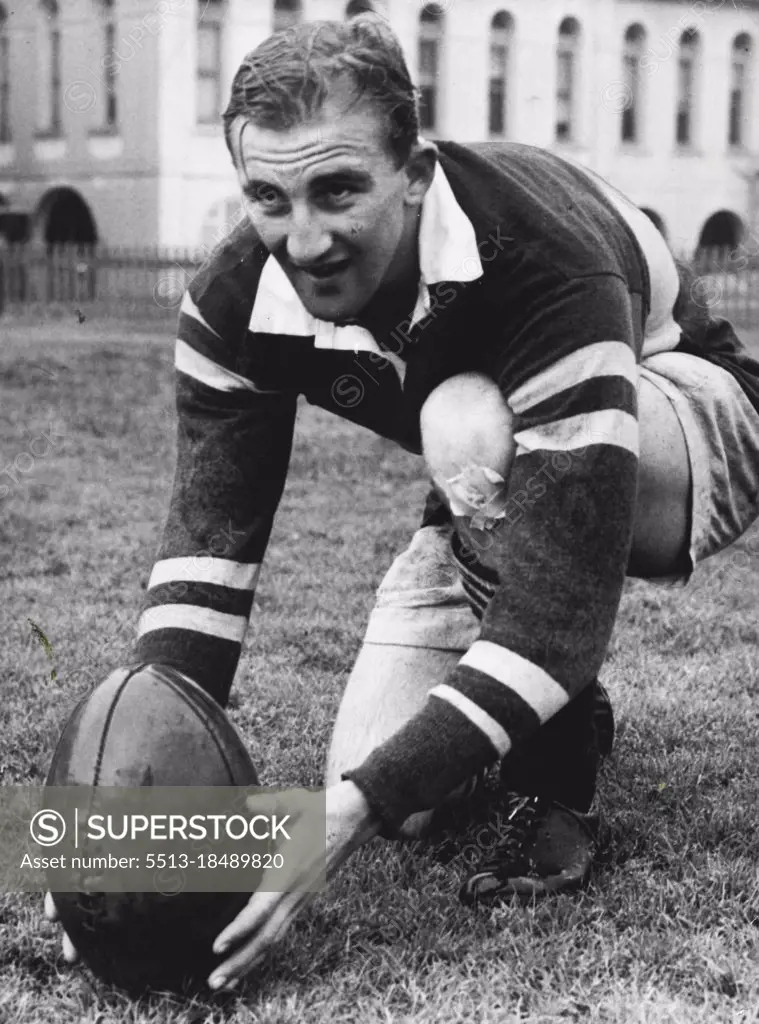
(420, 170)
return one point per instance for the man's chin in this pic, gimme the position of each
(329, 309)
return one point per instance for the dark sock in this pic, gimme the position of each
(561, 762)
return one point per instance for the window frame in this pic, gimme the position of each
(6, 130)
(213, 28)
(431, 31)
(686, 109)
(632, 127)
(565, 100)
(501, 40)
(739, 98)
(49, 77)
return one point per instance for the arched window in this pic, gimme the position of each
(501, 32)
(356, 7)
(567, 57)
(635, 40)
(5, 78)
(286, 14)
(739, 89)
(48, 68)
(109, 63)
(690, 45)
(431, 24)
(723, 230)
(210, 23)
(65, 218)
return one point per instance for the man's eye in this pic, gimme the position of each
(265, 195)
(338, 193)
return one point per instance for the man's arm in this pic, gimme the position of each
(560, 550)
(233, 449)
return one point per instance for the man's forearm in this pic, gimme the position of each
(232, 457)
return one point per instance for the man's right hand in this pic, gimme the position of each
(70, 955)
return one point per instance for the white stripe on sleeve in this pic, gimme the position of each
(529, 681)
(191, 617)
(602, 359)
(205, 569)
(498, 736)
(205, 370)
(605, 426)
(188, 306)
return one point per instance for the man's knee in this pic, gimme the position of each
(662, 515)
(467, 441)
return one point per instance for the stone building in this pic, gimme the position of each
(109, 109)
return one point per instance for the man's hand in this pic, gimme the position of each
(70, 955)
(268, 915)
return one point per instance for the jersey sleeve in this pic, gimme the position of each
(233, 449)
(557, 545)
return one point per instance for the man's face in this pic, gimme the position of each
(327, 201)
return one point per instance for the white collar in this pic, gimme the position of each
(447, 252)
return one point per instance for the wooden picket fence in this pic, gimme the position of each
(151, 282)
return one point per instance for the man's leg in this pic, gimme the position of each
(387, 686)
(663, 511)
(421, 626)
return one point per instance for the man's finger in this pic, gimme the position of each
(51, 911)
(265, 902)
(70, 954)
(253, 915)
(244, 960)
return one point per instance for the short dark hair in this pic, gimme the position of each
(285, 80)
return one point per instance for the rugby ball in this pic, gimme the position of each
(149, 725)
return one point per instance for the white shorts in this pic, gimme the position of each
(421, 601)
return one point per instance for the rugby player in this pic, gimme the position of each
(521, 320)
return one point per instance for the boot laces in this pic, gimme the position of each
(517, 830)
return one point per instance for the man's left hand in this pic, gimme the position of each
(268, 915)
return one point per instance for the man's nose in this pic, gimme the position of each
(308, 239)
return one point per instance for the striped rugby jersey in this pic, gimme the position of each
(533, 272)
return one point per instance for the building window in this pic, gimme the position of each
(5, 78)
(430, 47)
(286, 14)
(723, 230)
(686, 86)
(109, 64)
(356, 7)
(210, 19)
(567, 56)
(501, 32)
(635, 39)
(48, 68)
(739, 85)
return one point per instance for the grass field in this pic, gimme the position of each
(668, 931)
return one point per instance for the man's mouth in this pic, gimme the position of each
(326, 271)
